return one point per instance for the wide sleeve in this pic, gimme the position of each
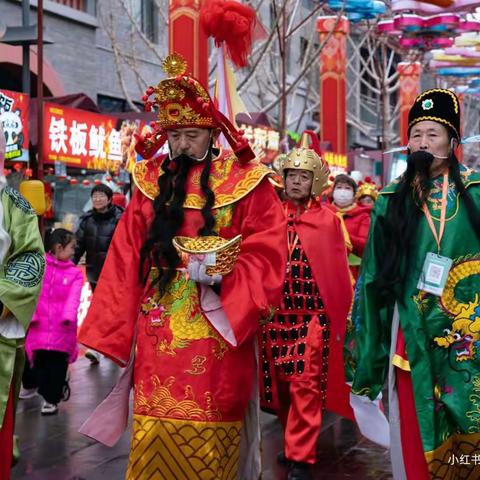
(73, 301)
(110, 323)
(253, 288)
(24, 264)
(370, 336)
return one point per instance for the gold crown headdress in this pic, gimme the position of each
(182, 102)
(368, 188)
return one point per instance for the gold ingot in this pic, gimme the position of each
(226, 250)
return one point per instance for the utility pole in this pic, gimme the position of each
(26, 49)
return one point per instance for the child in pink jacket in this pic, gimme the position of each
(52, 336)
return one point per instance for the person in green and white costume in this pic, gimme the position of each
(416, 313)
(22, 266)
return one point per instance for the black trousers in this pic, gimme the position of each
(48, 374)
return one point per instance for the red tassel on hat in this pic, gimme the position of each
(230, 22)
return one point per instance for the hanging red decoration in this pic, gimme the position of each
(86, 182)
(17, 167)
(232, 23)
(6, 171)
(73, 181)
(28, 173)
(97, 182)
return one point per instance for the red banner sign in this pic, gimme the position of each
(88, 140)
(14, 120)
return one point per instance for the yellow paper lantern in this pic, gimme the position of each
(34, 192)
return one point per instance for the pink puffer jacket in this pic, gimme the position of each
(54, 323)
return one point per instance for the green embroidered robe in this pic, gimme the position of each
(442, 334)
(20, 280)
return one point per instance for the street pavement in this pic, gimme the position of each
(52, 449)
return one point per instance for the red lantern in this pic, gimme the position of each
(17, 167)
(97, 182)
(86, 182)
(6, 171)
(73, 181)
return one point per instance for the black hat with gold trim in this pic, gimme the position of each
(437, 105)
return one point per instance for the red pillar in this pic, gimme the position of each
(187, 38)
(333, 79)
(409, 76)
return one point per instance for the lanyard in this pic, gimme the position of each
(438, 236)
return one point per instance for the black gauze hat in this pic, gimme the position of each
(437, 105)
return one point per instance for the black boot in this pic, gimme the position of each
(299, 471)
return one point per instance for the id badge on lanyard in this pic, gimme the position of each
(434, 274)
(436, 267)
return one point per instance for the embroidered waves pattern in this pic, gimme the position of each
(160, 402)
(167, 448)
(445, 462)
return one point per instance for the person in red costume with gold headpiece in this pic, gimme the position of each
(197, 260)
(367, 192)
(302, 364)
(355, 216)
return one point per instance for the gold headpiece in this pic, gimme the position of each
(183, 102)
(367, 189)
(305, 158)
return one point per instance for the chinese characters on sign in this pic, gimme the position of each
(83, 139)
(14, 120)
(265, 141)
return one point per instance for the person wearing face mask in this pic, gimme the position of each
(182, 315)
(356, 217)
(301, 346)
(417, 304)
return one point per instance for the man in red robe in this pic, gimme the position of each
(302, 362)
(192, 319)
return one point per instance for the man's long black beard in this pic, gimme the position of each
(158, 250)
(396, 233)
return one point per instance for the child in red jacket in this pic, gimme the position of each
(52, 337)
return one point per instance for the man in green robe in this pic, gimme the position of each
(22, 266)
(416, 314)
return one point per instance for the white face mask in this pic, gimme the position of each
(342, 197)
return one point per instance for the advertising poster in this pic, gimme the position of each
(14, 120)
(82, 139)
